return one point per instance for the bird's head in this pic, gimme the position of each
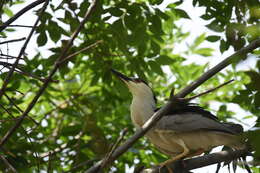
(138, 87)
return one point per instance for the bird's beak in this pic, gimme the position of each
(121, 76)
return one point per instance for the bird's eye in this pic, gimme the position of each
(138, 80)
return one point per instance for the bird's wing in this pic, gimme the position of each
(190, 121)
(191, 107)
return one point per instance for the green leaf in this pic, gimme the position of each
(254, 136)
(162, 14)
(223, 46)
(194, 2)
(257, 100)
(213, 38)
(155, 2)
(45, 16)
(156, 26)
(83, 8)
(54, 31)
(215, 26)
(181, 13)
(204, 51)
(164, 60)
(155, 47)
(206, 17)
(42, 39)
(199, 40)
(115, 11)
(8, 12)
(154, 67)
(255, 80)
(129, 22)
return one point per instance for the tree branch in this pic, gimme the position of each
(223, 64)
(19, 109)
(21, 12)
(9, 166)
(107, 157)
(11, 71)
(184, 166)
(8, 56)
(80, 51)
(156, 116)
(48, 79)
(22, 26)
(208, 91)
(14, 40)
(9, 66)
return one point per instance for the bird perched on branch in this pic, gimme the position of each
(185, 131)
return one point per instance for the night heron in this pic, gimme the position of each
(184, 132)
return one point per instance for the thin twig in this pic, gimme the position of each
(188, 89)
(50, 164)
(48, 79)
(34, 76)
(9, 66)
(11, 168)
(48, 113)
(10, 56)
(81, 165)
(113, 148)
(82, 50)
(28, 138)
(6, 110)
(10, 73)
(22, 26)
(10, 119)
(19, 109)
(223, 64)
(208, 91)
(7, 79)
(14, 40)
(20, 13)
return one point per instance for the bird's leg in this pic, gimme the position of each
(178, 157)
(196, 153)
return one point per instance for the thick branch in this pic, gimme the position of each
(185, 165)
(21, 12)
(48, 79)
(149, 124)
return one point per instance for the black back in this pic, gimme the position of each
(191, 108)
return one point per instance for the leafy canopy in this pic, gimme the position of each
(80, 116)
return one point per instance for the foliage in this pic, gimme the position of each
(78, 118)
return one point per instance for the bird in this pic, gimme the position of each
(183, 132)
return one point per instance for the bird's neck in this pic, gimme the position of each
(142, 108)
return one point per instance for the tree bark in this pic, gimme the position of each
(183, 166)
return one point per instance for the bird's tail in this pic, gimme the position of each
(237, 141)
(236, 128)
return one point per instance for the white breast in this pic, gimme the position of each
(141, 110)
